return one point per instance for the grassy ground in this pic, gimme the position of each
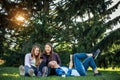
(12, 73)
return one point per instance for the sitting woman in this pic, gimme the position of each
(33, 65)
(49, 55)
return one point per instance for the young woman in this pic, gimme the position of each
(80, 68)
(48, 55)
(63, 70)
(33, 65)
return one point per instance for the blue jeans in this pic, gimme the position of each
(82, 67)
(32, 67)
(36, 69)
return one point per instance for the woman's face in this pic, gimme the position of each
(37, 51)
(47, 49)
(52, 64)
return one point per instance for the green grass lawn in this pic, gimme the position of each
(12, 73)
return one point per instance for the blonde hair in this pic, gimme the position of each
(37, 58)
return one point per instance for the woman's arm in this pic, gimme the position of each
(58, 59)
(27, 60)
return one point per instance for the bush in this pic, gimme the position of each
(13, 59)
(64, 56)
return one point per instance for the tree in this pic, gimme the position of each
(57, 22)
(87, 34)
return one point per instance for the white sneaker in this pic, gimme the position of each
(21, 70)
(31, 72)
(63, 75)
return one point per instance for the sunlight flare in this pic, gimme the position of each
(20, 18)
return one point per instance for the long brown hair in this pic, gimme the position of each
(37, 58)
(51, 52)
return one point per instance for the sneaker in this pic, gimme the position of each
(45, 71)
(97, 74)
(96, 53)
(22, 70)
(63, 75)
(31, 72)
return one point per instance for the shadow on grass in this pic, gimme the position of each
(12, 73)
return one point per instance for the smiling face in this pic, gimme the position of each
(53, 64)
(48, 49)
(36, 51)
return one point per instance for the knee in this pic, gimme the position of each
(45, 69)
(26, 67)
(75, 55)
(91, 58)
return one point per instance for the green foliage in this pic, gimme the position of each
(64, 56)
(13, 58)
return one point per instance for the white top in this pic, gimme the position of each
(29, 61)
(74, 72)
(32, 62)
